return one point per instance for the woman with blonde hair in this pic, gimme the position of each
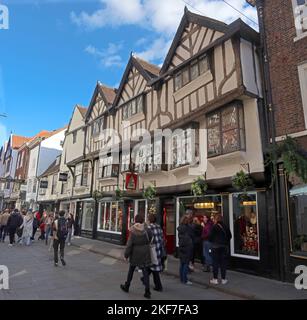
(27, 228)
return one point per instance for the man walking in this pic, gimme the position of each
(60, 231)
(14, 221)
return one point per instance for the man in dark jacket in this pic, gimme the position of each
(14, 221)
(220, 237)
(138, 253)
(185, 249)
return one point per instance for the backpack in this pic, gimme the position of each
(62, 230)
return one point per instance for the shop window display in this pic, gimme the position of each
(88, 215)
(110, 217)
(245, 225)
(298, 218)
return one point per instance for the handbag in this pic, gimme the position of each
(153, 251)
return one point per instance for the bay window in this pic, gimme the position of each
(78, 175)
(82, 174)
(225, 130)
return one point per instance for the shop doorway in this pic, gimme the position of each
(78, 218)
(141, 208)
(169, 225)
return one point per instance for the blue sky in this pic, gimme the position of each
(56, 50)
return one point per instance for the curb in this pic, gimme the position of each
(174, 274)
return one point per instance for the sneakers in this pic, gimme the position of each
(63, 262)
(224, 281)
(68, 244)
(10, 245)
(214, 281)
(189, 283)
(124, 287)
(55, 264)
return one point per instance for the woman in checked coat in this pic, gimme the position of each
(160, 249)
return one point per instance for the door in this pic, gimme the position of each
(78, 218)
(169, 225)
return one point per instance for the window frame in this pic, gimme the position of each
(241, 142)
(128, 106)
(103, 205)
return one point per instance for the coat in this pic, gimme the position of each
(185, 244)
(14, 221)
(206, 230)
(159, 244)
(220, 235)
(27, 226)
(138, 249)
(4, 218)
(197, 232)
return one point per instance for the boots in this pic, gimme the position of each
(125, 287)
(147, 294)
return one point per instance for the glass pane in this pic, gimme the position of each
(119, 219)
(113, 216)
(230, 141)
(203, 64)
(213, 120)
(185, 76)
(242, 139)
(229, 118)
(214, 144)
(194, 71)
(245, 225)
(107, 222)
(87, 223)
(178, 81)
(101, 216)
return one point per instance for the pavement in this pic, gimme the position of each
(88, 275)
(240, 285)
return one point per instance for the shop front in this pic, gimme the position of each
(85, 217)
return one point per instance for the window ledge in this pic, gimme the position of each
(193, 85)
(135, 118)
(222, 160)
(107, 178)
(300, 36)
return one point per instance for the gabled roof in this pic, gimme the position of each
(18, 141)
(82, 110)
(108, 94)
(53, 168)
(187, 18)
(146, 69)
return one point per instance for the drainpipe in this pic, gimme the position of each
(272, 136)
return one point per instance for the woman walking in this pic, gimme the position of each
(160, 250)
(208, 224)
(48, 226)
(27, 228)
(138, 253)
(185, 249)
(70, 223)
(220, 237)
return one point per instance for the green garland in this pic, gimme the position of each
(292, 156)
(118, 193)
(199, 187)
(150, 192)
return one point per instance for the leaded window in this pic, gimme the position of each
(133, 107)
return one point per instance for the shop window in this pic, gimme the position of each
(226, 130)
(133, 107)
(298, 218)
(88, 216)
(191, 72)
(244, 225)
(141, 208)
(110, 217)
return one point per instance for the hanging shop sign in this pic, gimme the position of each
(131, 181)
(63, 177)
(43, 184)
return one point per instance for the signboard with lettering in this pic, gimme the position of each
(63, 176)
(43, 184)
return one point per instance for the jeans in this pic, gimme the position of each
(56, 244)
(145, 277)
(206, 252)
(219, 256)
(184, 269)
(69, 235)
(34, 231)
(48, 232)
(3, 232)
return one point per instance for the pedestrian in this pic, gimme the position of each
(36, 221)
(48, 226)
(207, 227)
(190, 215)
(14, 221)
(197, 242)
(19, 230)
(3, 224)
(158, 241)
(27, 228)
(220, 237)
(60, 232)
(70, 224)
(138, 253)
(42, 225)
(185, 250)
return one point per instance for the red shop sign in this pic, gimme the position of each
(131, 181)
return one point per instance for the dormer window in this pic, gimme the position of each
(133, 107)
(191, 72)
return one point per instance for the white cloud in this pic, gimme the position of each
(160, 16)
(109, 56)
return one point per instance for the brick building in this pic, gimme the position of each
(283, 29)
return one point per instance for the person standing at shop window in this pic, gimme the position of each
(220, 237)
(208, 224)
(138, 253)
(185, 249)
(158, 241)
